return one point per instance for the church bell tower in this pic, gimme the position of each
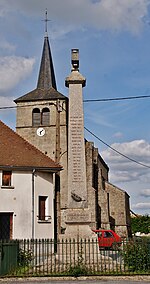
(42, 120)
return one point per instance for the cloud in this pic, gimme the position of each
(145, 192)
(6, 101)
(123, 14)
(136, 149)
(14, 69)
(116, 15)
(141, 206)
(118, 134)
(123, 170)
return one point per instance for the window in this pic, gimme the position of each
(36, 117)
(40, 118)
(108, 235)
(45, 116)
(6, 178)
(42, 208)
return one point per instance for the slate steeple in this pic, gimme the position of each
(46, 78)
(46, 86)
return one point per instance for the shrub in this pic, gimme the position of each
(78, 270)
(136, 255)
(24, 257)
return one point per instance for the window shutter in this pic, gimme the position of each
(45, 116)
(42, 201)
(36, 117)
(6, 178)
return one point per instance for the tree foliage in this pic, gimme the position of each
(136, 255)
(140, 224)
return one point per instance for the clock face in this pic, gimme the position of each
(40, 131)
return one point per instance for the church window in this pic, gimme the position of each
(45, 119)
(36, 117)
(6, 178)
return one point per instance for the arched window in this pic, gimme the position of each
(36, 117)
(45, 119)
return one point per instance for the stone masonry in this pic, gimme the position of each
(78, 215)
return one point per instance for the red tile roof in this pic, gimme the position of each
(16, 152)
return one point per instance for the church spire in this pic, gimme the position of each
(46, 78)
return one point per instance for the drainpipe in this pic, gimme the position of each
(57, 175)
(33, 172)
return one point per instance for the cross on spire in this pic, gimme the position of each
(46, 20)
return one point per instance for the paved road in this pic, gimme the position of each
(82, 282)
(98, 282)
(102, 280)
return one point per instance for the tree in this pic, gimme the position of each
(140, 224)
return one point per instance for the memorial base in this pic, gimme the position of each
(78, 224)
(79, 231)
(79, 243)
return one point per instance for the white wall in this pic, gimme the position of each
(18, 200)
(44, 187)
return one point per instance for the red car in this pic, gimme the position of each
(108, 239)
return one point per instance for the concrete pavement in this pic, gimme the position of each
(79, 280)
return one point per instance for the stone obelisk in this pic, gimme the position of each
(78, 214)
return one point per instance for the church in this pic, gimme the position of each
(43, 120)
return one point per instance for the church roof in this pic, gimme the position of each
(46, 86)
(16, 152)
(41, 94)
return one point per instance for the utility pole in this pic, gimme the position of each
(57, 175)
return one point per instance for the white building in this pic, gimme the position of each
(26, 188)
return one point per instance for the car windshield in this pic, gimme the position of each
(108, 235)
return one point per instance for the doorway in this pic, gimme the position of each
(6, 222)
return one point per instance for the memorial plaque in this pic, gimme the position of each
(81, 216)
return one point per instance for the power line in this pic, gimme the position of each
(14, 107)
(7, 107)
(118, 152)
(117, 99)
(85, 101)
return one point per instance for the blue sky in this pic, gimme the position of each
(113, 37)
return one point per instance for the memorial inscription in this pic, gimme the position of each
(78, 217)
(76, 142)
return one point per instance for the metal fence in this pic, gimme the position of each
(79, 257)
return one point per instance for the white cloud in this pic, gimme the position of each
(141, 206)
(12, 70)
(118, 134)
(114, 15)
(122, 14)
(137, 149)
(6, 101)
(123, 170)
(145, 192)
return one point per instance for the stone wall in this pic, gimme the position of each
(119, 210)
(97, 197)
(108, 204)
